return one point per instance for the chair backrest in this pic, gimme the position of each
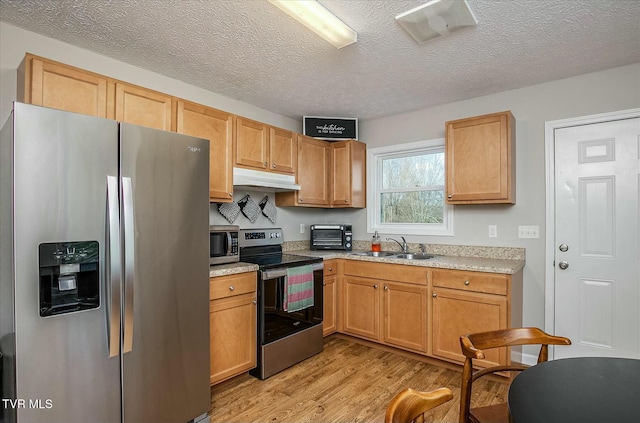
(473, 347)
(409, 404)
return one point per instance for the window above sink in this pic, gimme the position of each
(406, 189)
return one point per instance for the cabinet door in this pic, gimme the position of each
(480, 154)
(457, 313)
(251, 144)
(341, 172)
(283, 151)
(329, 304)
(233, 332)
(143, 107)
(65, 88)
(314, 166)
(362, 308)
(405, 316)
(217, 127)
(349, 174)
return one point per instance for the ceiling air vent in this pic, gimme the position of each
(436, 18)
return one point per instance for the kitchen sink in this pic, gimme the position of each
(391, 254)
(411, 256)
(375, 253)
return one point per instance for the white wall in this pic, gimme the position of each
(15, 42)
(606, 91)
(610, 90)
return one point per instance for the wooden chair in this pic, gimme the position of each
(410, 404)
(473, 346)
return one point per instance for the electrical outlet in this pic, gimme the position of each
(302, 229)
(529, 231)
(493, 231)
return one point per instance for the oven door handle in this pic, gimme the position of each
(282, 271)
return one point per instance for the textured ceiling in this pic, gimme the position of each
(251, 51)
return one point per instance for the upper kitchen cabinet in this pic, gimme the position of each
(50, 84)
(143, 107)
(481, 163)
(349, 174)
(263, 147)
(283, 151)
(313, 176)
(251, 144)
(330, 174)
(216, 126)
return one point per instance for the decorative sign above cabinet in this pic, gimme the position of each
(330, 128)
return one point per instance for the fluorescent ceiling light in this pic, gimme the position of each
(436, 18)
(314, 16)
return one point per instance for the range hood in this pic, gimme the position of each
(259, 180)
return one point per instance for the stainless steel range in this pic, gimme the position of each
(289, 301)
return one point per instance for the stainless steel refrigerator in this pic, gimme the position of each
(103, 271)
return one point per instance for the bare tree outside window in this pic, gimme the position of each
(412, 188)
(405, 192)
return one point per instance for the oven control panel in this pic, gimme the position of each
(258, 237)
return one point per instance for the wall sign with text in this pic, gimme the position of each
(330, 128)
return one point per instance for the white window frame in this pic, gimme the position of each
(374, 184)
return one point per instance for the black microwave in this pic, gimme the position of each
(331, 237)
(223, 244)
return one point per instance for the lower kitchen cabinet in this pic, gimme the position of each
(386, 303)
(403, 305)
(362, 307)
(456, 313)
(329, 297)
(232, 325)
(470, 302)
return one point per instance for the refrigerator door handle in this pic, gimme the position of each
(114, 267)
(129, 262)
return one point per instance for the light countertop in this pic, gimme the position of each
(475, 264)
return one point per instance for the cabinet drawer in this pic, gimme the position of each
(489, 283)
(330, 268)
(228, 286)
(387, 271)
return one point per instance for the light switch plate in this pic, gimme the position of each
(529, 231)
(302, 228)
(493, 231)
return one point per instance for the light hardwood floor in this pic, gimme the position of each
(347, 382)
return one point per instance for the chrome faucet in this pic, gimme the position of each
(402, 245)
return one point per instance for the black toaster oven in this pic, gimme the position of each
(331, 237)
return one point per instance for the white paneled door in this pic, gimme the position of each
(597, 232)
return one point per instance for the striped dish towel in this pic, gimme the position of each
(298, 288)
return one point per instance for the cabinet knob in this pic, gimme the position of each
(231, 288)
(449, 196)
(273, 165)
(375, 286)
(434, 295)
(254, 302)
(346, 201)
(324, 284)
(300, 200)
(386, 288)
(230, 194)
(266, 164)
(466, 282)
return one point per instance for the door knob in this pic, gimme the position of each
(563, 265)
(564, 248)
